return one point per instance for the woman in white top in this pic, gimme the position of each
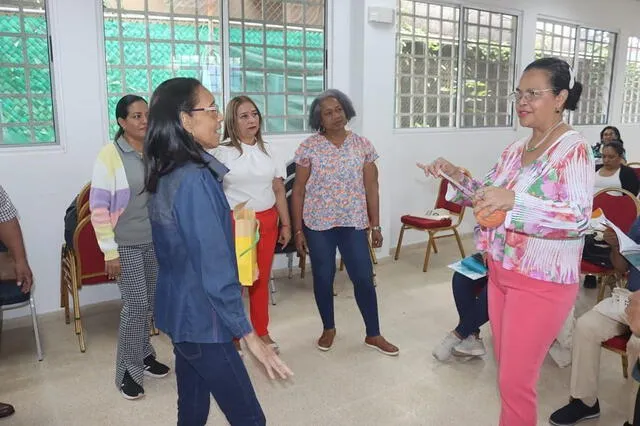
(256, 177)
(613, 173)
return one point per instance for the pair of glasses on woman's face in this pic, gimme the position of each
(528, 95)
(213, 108)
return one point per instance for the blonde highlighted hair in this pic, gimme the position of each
(231, 135)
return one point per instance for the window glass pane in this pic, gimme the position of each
(488, 66)
(591, 53)
(284, 54)
(631, 102)
(426, 64)
(595, 71)
(148, 42)
(26, 106)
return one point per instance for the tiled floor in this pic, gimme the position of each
(350, 385)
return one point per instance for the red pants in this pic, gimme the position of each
(259, 291)
(526, 315)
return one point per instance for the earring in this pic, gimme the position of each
(557, 110)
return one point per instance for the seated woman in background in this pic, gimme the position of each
(471, 302)
(613, 173)
(607, 135)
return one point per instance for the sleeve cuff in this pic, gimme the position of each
(111, 255)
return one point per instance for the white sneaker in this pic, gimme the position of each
(442, 352)
(471, 346)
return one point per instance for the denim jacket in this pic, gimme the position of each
(198, 294)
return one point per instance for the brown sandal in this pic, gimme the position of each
(380, 343)
(326, 340)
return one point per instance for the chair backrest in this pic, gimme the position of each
(89, 259)
(636, 168)
(619, 206)
(291, 175)
(442, 202)
(83, 196)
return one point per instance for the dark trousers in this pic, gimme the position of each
(354, 248)
(471, 301)
(216, 369)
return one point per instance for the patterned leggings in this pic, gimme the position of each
(137, 283)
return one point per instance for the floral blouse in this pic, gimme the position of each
(335, 194)
(542, 237)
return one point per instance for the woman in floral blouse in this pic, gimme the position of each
(334, 201)
(545, 184)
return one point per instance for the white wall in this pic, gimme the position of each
(362, 61)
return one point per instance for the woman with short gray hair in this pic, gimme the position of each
(334, 204)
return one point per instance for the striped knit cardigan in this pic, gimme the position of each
(108, 198)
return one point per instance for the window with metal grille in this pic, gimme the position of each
(26, 105)
(631, 102)
(590, 52)
(270, 50)
(455, 66)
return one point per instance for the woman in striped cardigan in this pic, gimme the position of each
(118, 205)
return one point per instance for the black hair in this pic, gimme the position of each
(315, 119)
(560, 76)
(167, 144)
(615, 130)
(122, 111)
(617, 147)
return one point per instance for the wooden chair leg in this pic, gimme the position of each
(601, 289)
(625, 366)
(433, 242)
(302, 265)
(62, 292)
(341, 266)
(77, 322)
(372, 253)
(455, 232)
(428, 254)
(397, 255)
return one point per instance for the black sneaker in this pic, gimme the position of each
(590, 281)
(574, 412)
(154, 368)
(129, 388)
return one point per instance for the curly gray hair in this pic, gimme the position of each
(315, 119)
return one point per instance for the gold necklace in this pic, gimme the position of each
(544, 137)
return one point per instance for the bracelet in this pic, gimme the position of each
(299, 231)
(285, 226)
(376, 228)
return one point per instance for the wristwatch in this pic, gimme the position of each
(376, 228)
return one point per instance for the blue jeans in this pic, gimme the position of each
(354, 248)
(216, 369)
(471, 301)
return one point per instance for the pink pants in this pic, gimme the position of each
(526, 315)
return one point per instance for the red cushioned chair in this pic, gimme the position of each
(636, 168)
(83, 265)
(618, 345)
(622, 208)
(435, 227)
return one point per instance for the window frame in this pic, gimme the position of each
(59, 144)
(225, 60)
(517, 44)
(579, 25)
(630, 119)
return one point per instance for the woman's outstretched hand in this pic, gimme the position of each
(440, 165)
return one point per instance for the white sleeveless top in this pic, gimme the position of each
(603, 182)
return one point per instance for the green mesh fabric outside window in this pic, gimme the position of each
(148, 42)
(277, 57)
(276, 52)
(26, 107)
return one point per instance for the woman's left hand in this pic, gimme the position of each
(492, 198)
(285, 236)
(376, 239)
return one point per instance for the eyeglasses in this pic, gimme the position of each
(528, 95)
(213, 108)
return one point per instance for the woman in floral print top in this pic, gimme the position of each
(333, 203)
(545, 184)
